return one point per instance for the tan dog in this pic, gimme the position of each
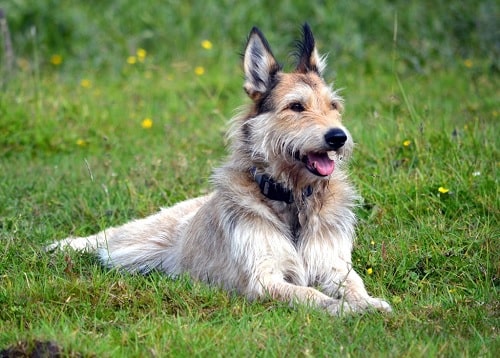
(280, 220)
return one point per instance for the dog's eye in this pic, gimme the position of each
(296, 107)
(335, 105)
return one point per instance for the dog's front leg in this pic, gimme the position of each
(288, 292)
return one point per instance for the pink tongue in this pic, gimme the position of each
(323, 165)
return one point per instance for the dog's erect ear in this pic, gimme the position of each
(308, 57)
(259, 65)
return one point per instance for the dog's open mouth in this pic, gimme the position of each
(319, 164)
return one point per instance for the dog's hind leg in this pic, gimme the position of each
(84, 244)
(140, 245)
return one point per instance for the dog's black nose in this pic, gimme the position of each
(335, 138)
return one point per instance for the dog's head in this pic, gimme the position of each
(294, 125)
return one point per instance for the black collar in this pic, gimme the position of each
(275, 191)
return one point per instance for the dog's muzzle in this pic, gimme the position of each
(321, 163)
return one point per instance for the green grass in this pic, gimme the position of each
(74, 160)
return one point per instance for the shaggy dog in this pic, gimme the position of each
(279, 222)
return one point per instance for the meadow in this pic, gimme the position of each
(112, 110)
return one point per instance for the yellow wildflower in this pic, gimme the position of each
(443, 190)
(141, 54)
(199, 70)
(80, 142)
(147, 123)
(85, 83)
(369, 271)
(396, 299)
(56, 59)
(206, 44)
(407, 143)
(468, 63)
(131, 60)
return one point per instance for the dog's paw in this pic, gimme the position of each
(380, 304)
(363, 304)
(63, 244)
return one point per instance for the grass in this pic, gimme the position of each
(75, 158)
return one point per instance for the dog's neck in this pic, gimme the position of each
(274, 190)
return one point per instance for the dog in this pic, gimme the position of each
(280, 221)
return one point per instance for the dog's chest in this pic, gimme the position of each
(292, 221)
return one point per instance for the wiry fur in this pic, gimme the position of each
(236, 237)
